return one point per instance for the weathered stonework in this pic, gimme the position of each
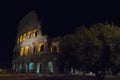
(33, 52)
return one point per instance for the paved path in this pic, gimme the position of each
(16, 76)
(43, 77)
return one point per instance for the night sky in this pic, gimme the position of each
(57, 18)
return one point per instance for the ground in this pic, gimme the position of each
(51, 77)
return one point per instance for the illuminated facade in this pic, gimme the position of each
(33, 53)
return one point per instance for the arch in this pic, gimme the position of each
(20, 67)
(50, 67)
(35, 33)
(26, 50)
(39, 68)
(40, 47)
(17, 68)
(21, 38)
(21, 51)
(31, 66)
(24, 36)
(29, 34)
(26, 67)
(34, 50)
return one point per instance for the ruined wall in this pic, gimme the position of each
(31, 52)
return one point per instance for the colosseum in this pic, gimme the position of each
(34, 52)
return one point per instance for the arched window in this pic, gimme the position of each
(40, 47)
(26, 50)
(24, 36)
(21, 38)
(29, 34)
(35, 33)
(39, 67)
(50, 67)
(26, 67)
(21, 51)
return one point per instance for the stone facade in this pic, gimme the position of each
(33, 52)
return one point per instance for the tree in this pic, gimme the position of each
(95, 49)
(89, 47)
(68, 50)
(97, 46)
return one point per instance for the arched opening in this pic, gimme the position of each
(25, 67)
(31, 67)
(29, 34)
(24, 36)
(26, 50)
(17, 68)
(20, 67)
(40, 47)
(21, 38)
(21, 51)
(35, 33)
(50, 67)
(39, 68)
(34, 50)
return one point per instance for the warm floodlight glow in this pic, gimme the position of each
(35, 33)
(21, 51)
(29, 34)
(26, 50)
(39, 47)
(21, 38)
(24, 36)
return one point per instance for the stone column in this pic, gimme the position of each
(44, 67)
(35, 67)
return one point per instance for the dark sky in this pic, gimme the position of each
(57, 17)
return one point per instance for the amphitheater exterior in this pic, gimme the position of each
(34, 52)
